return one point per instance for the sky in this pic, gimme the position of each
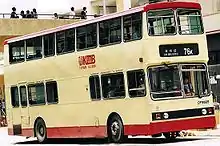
(42, 6)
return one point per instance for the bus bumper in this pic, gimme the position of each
(171, 126)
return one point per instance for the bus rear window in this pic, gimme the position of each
(189, 21)
(161, 22)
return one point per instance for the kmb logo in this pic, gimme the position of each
(88, 60)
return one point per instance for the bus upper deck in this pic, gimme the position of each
(159, 25)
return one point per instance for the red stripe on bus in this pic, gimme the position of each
(145, 129)
(77, 132)
(177, 125)
(28, 132)
(174, 5)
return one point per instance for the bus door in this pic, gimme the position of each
(24, 115)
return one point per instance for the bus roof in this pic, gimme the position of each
(173, 5)
(155, 6)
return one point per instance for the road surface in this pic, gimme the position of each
(6, 140)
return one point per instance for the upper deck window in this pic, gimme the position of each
(189, 21)
(34, 48)
(16, 52)
(65, 41)
(86, 37)
(49, 45)
(132, 26)
(161, 22)
(110, 31)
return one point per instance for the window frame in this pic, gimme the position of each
(194, 71)
(150, 86)
(15, 106)
(178, 25)
(34, 85)
(100, 92)
(109, 35)
(141, 28)
(65, 34)
(165, 34)
(20, 94)
(115, 97)
(26, 49)
(10, 52)
(145, 85)
(87, 26)
(181, 81)
(46, 89)
(54, 45)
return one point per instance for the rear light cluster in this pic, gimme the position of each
(160, 116)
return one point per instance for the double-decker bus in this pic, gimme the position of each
(138, 72)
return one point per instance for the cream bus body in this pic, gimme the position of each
(76, 114)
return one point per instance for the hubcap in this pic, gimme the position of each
(41, 130)
(115, 128)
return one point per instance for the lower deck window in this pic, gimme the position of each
(113, 85)
(14, 97)
(36, 94)
(23, 96)
(52, 95)
(136, 83)
(94, 84)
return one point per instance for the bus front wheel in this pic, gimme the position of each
(40, 130)
(115, 130)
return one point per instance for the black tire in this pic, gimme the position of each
(157, 135)
(40, 130)
(115, 130)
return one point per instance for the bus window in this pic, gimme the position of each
(195, 80)
(189, 21)
(14, 97)
(94, 84)
(34, 48)
(132, 26)
(110, 31)
(136, 83)
(87, 37)
(49, 45)
(51, 89)
(165, 82)
(16, 52)
(23, 96)
(36, 94)
(65, 41)
(161, 22)
(113, 85)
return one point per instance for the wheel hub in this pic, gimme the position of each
(115, 128)
(41, 131)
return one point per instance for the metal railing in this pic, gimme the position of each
(50, 16)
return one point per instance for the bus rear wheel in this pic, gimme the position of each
(40, 131)
(115, 130)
